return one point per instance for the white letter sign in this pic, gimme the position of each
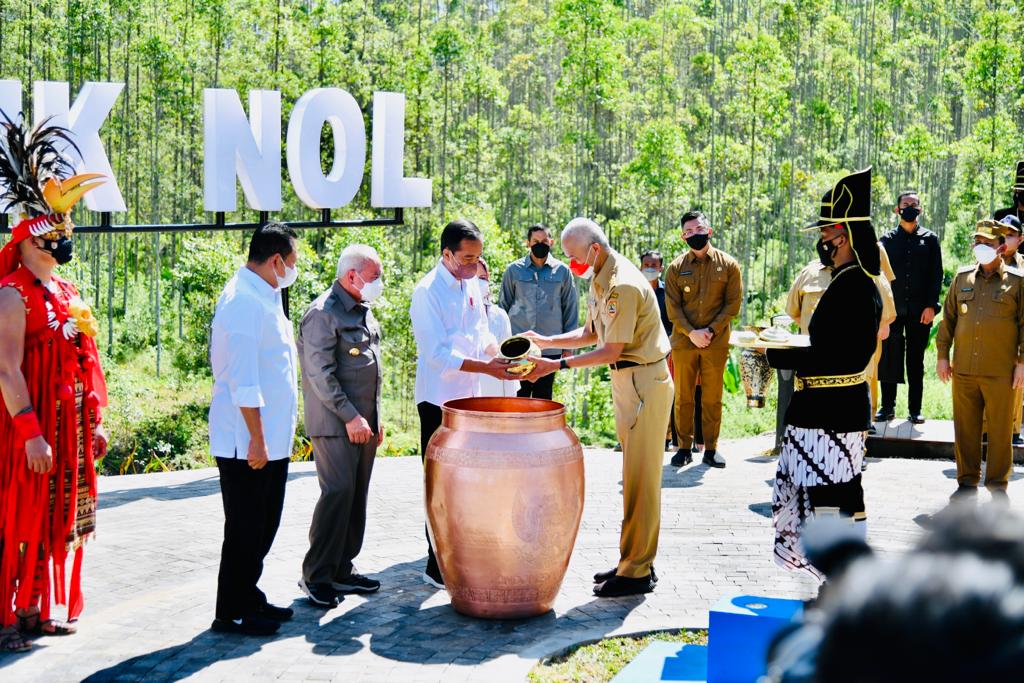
(91, 108)
(339, 109)
(249, 148)
(388, 186)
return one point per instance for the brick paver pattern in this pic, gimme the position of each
(151, 576)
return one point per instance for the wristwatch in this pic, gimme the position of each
(563, 364)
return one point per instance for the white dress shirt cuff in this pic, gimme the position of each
(247, 397)
(453, 364)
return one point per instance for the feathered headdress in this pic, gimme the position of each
(38, 184)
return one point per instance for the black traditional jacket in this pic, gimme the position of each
(843, 331)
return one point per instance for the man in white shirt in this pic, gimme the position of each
(252, 424)
(453, 341)
(501, 327)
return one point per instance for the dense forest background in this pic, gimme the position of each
(629, 111)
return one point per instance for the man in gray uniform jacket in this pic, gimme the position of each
(339, 345)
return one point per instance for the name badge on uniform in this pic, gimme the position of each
(686, 272)
(353, 351)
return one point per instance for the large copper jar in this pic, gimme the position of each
(504, 496)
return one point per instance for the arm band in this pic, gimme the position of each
(26, 426)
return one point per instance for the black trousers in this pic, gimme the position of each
(542, 388)
(907, 342)
(785, 395)
(430, 421)
(253, 500)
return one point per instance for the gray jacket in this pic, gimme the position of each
(339, 347)
(540, 299)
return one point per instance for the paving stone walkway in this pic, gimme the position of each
(151, 574)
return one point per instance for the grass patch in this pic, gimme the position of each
(602, 660)
(155, 424)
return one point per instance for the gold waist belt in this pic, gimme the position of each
(828, 382)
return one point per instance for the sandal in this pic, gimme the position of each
(11, 640)
(33, 626)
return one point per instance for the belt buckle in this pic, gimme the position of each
(798, 383)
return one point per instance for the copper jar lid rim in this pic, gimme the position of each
(461, 406)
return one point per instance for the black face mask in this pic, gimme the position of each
(62, 250)
(697, 242)
(825, 251)
(910, 213)
(540, 249)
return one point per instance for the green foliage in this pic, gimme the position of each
(601, 661)
(523, 112)
(199, 278)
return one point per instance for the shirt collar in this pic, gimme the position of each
(446, 276)
(528, 262)
(998, 271)
(691, 256)
(343, 296)
(257, 283)
(603, 279)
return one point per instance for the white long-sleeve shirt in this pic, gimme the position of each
(254, 362)
(501, 327)
(450, 325)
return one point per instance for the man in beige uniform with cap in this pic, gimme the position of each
(983, 322)
(624, 320)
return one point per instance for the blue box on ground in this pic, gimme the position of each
(741, 628)
(662, 661)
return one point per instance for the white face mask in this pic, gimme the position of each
(291, 274)
(371, 291)
(650, 273)
(984, 254)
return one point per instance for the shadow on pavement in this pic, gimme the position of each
(207, 486)
(393, 622)
(686, 477)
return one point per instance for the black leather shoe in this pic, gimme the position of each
(885, 416)
(696, 448)
(1018, 440)
(872, 431)
(276, 613)
(254, 625)
(618, 586)
(682, 457)
(916, 418)
(601, 577)
(713, 459)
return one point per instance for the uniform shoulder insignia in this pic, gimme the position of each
(1014, 270)
(965, 269)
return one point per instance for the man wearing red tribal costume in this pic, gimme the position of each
(51, 391)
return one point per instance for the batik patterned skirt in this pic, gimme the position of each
(817, 468)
